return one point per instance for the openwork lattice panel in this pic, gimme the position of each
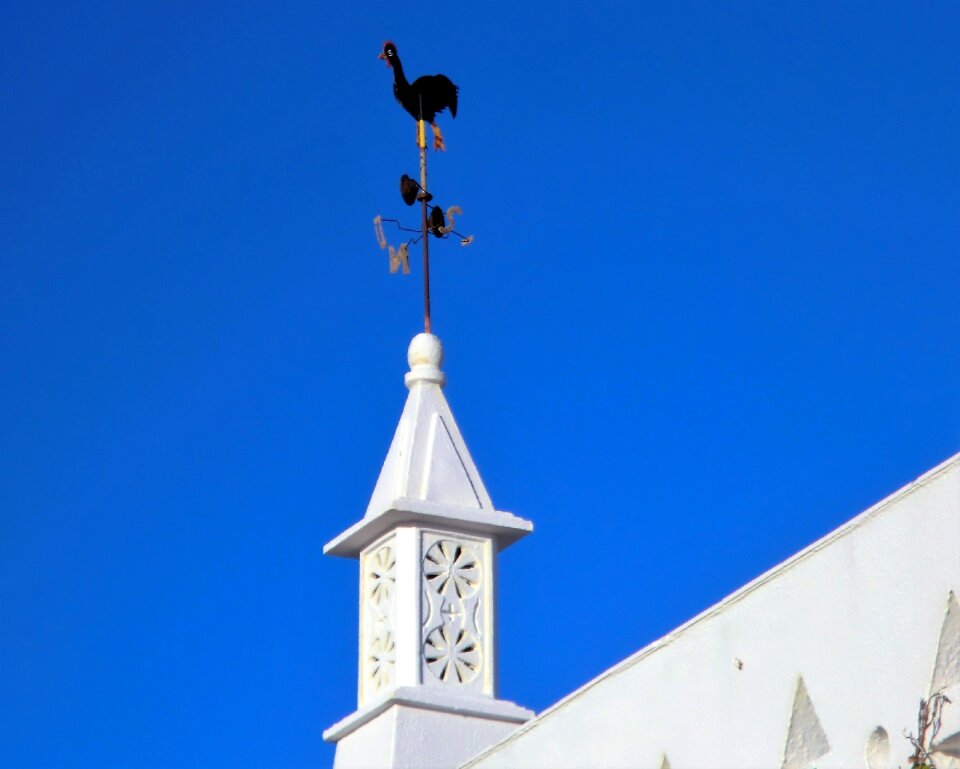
(378, 585)
(456, 586)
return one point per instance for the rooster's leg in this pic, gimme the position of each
(437, 138)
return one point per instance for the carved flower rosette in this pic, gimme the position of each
(453, 636)
(379, 648)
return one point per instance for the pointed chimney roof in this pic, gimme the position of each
(428, 476)
(428, 459)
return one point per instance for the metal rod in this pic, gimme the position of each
(422, 142)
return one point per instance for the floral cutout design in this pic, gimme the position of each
(451, 569)
(381, 656)
(381, 575)
(452, 656)
(378, 660)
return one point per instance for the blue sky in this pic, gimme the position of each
(710, 314)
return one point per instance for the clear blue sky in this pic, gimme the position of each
(711, 313)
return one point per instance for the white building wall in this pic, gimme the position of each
(857, 617)
(406, 737)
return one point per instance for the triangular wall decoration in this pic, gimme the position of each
(806, 740)
(949, 746)
(946, 669)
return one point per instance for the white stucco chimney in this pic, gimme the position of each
(427, 545)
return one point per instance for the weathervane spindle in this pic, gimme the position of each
(422, 143)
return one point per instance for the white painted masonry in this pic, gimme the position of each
(427, 545)
(821, 662)
(818, 664)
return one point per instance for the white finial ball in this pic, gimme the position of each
(425, 356)
(425, 350)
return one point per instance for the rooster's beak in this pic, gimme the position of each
(383, 56)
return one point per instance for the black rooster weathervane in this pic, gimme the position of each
(424, 98)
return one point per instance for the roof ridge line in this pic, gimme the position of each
(733, 598)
